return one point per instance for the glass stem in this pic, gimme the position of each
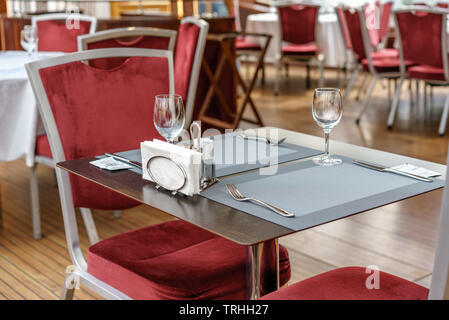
(326, 141)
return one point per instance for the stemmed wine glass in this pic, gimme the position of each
(169, 116)
(327, 110)
(29, 39)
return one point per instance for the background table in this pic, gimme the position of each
(19, 120)
(329, 37)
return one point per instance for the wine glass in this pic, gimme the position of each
(29, 39)
(327, 110)
(169, 117)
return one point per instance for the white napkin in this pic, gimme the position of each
(190, 160)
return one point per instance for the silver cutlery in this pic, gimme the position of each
(270, 141)
(391, 170)
(235, 193)
(124, 160)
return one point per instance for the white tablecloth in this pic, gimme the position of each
(18, 110)
(329, 37)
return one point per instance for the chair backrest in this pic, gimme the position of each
(59, 32)
(88, 111)
(132, 37)
(422, 36)
(189, 53)
(385, 20)
(439, 288)
(354, 25)
(343, 27)
(298, 22)
(372, 18)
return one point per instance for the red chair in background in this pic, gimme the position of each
(357, 283)
(183, 261)
(189, 53)
(56, 32)
(425, 46)
(298, 41)
(379, 64)
(59, 32)
(132, 37)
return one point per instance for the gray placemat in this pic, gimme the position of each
(233, 154)
(318, 194)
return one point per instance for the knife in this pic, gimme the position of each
(121, 159)
(270, 141)
(391, 170)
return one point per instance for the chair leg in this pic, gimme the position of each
(35, 208)
(276, 76)
(90, 225)
(286, 66)
(354, 76)
(367, 97)
(418, 102)
(308, 76)
(117, 214)
(263, 74)
(362, 86)
(444, 116)
(395, 104)
(321, 66)
(67, 293)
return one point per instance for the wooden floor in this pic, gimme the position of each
(399, 238)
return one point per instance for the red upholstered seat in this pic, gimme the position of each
(349, 284)
(426, 72)
(383, 65)
(186, 263)
(300, 49)
(55, 36)
(242, 44)
(385, 53)
(43, 146)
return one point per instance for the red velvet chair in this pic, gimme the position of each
(426, 47)
(86, 118)
(56, 32)
(134, 37)
(131, 37)
(379, 66)
(349, 283)
(189, 52)
(297, 27)
(59, 32)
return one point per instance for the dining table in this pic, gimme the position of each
(19, 116)
(247, 224)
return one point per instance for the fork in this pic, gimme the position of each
(269, 141)
(237, 195)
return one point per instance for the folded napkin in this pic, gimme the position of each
(189, 160)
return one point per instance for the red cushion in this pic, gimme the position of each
(55, 36)
(385, 53)
(383, 65)
(93, 108)
(426, 73)
(144, 42)
(174, 260)
(188, 35)
(349, 284)
(242, 44)
(300, 49)
(43, 147)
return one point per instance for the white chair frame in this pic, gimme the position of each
(196, 67)
(65, 16)
(84, 40)
(34, 187)
(280, 58)
(68, 209)
(396, 100)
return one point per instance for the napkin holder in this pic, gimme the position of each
(173, 168)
